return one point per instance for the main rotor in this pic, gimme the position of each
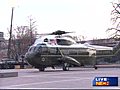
(59, 32)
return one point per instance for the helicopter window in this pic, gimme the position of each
(64, 42)
(52, 41)
(42, 48)
(30, 49)
(36, 48)
(45, 40)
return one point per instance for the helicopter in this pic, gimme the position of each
(54, 49)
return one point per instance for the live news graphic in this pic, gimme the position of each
(105, 81)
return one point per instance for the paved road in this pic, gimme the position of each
(76, 78)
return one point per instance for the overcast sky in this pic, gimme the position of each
(90, 18)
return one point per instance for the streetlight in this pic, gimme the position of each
(12, 4)
(10, 38)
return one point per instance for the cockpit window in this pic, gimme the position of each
(30, 49)
(52, 41)
(33, 48)
(64, 42)
(45, 40)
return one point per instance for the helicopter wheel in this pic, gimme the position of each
(65, 67)
(95, 68)
(42, 69)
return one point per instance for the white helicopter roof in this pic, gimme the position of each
(53, 37)
(41, 39)
(74, 45)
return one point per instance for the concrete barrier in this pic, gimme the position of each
(108, 66)
(8, 74)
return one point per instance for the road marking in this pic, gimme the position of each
(68, 76)
(48, 82)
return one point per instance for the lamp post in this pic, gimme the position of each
(10, 38)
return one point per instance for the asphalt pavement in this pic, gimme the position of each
(76, 78)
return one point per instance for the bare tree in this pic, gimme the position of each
(32, 27)
(23, 37)
(115, 13)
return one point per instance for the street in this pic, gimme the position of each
(76, 78)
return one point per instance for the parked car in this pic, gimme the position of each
(8, 63)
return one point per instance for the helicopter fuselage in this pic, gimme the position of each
(41, 55)
(55, 49)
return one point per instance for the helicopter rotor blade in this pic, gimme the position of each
(59, 32)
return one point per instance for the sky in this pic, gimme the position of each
(89, 18)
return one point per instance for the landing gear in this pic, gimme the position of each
(65, 67)
(42, 69)
(95, 67)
